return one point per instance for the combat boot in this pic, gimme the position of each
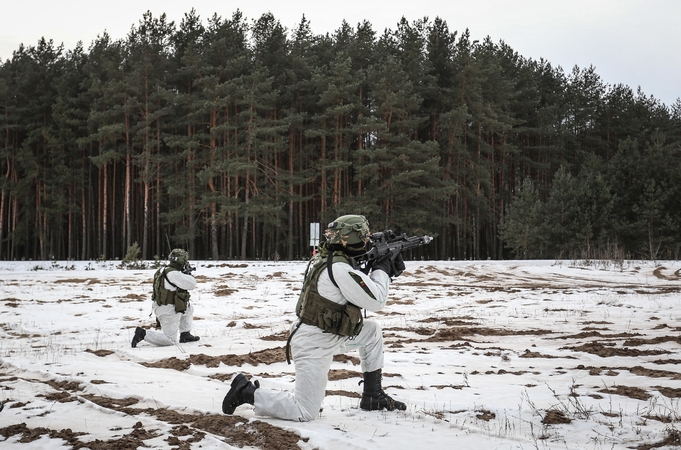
(374, 398)
(242, 391)
(140, 333)
(186, 336)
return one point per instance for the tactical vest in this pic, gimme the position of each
(163, 296)
(313, 309)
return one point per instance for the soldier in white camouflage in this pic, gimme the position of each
(330, 322)
(171, 305)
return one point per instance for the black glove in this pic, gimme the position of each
(383, 264)
(397, 266)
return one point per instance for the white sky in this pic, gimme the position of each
(634, 42)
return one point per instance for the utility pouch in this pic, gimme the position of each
(181, 300)
(345, 321)
(329, 320)
(351, 321)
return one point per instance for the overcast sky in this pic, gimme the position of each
(633, 42)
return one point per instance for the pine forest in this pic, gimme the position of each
(229, 136)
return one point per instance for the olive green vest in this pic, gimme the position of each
(313, 309)
(163, 296)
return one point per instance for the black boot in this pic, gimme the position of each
(374, 398)
(242, 391)
(186, 336)
(140, 333)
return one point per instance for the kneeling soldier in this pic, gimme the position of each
(330, 322)
(172, 308)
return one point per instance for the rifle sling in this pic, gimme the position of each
(165, 276)
(329, 263)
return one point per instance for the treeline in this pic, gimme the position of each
(230, 137)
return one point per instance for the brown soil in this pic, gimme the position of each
(636, 370)
(627, 391)
(673, 439)
(459, 333)
(283, 336)
(61, 397)
(606, 350)
(267, 356)
(342, 374)
(232, 429)
(668, 392)
(100, 353)
(485, 415)
(344, 358)
(345, 394)
(554, 417)
(654, 341)
(530, 354)
(223, 291)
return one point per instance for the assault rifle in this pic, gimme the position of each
(387, 244)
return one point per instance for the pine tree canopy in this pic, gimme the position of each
(228, 138)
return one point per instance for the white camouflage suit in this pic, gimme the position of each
(172, 323)
(313, 349)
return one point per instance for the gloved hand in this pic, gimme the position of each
(383, 264)
(397, 266)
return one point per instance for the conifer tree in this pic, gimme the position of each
(149, 50)
(107, 144)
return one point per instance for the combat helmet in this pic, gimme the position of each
(349, 231)
(178, 258)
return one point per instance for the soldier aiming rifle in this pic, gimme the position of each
(335, 290)
(174, 312)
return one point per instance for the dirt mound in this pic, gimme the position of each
(554, 417)
(267, 356)
(627, 391)
(607, 350)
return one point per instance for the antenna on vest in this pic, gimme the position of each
(170, 248)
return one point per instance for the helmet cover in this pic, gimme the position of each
(178, 257)
(350, 230)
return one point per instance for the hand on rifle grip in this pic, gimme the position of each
(397, 266)
(383, 263)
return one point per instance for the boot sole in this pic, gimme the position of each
(380, 406)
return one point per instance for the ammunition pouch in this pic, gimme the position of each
(313, 309)
(343, 320)
(181, 300)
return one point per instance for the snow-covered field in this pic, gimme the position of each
(487, 355)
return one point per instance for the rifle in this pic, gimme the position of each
(387, 244)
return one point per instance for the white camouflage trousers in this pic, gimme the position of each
(172, 323)
(312, 351)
